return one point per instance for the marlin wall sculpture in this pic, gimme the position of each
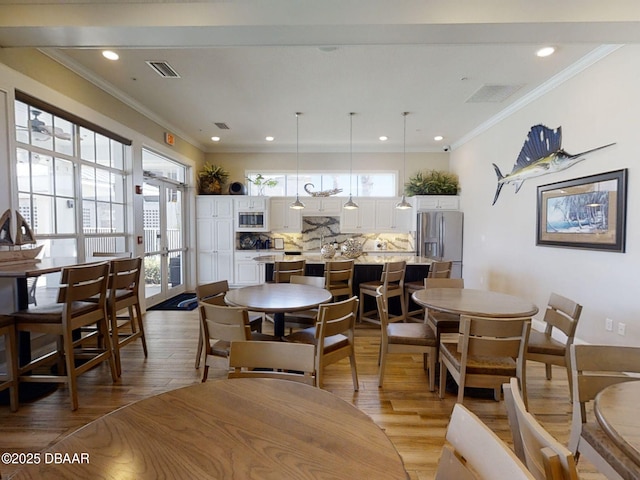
(541, 154)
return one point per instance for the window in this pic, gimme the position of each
(71, 181)
(374, 184)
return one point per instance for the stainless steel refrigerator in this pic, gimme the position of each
(439, 236)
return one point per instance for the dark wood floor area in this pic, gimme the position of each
(413, 418)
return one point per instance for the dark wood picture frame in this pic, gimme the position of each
(588, 212)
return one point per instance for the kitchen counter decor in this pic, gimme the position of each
(351, 248)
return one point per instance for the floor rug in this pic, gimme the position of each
(183, 301)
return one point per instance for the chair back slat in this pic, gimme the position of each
(335, 318)
(443, 283)
(393, 273)
(84, 281)
(282, 271)
(125, 274)
(439, 270)
(563, 314)
(225, 323)
(304, 280)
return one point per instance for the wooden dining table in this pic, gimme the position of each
(278, 299)
(480, 303)
(227, 429)
(617, 410)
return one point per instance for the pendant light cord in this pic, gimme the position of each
(351, 153)
(297, 154)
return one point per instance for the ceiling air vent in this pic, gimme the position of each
(221, 125)
(493, 93)
(163, 69)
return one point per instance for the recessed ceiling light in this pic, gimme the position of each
(269, 139)
(384, 138)
(437, 138)
(215, 139)
(110, 55)
(545, 52)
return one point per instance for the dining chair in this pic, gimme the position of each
(214, 293)
(282, 270)
(474, 452)
(562, 314)
(443, 322)
(392, 283)
(406, 338)
(72, 312)
(436, 270)
(282, 360)
(338, 275)
(595, 367)
(489, 351)
(544, 456)
(9, 380)
(305, 318)
(332, 336)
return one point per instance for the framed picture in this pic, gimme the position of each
(278, 243)
(587, 212)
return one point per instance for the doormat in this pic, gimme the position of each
(183, 301)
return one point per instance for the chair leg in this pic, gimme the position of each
(143, 338)
(71, 368)
(11, 351)
(115, 339)
(443, 379)
(431, 360)
(382, 361)
(547, 369)
(354, 371)
(199, 349)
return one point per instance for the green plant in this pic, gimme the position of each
(261, 182)
(211, 178)
(432, 182)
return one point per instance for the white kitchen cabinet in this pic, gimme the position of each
(437, 202)
(389, 219)
(361, 219)
(215, 239)
(250, 203)
(323, 206)
(282, 218)
(251, 214)
(248, 270)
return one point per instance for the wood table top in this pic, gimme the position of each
(481, 303)
(618, 412)
(241, 428)
(44, 266)
(278, 297)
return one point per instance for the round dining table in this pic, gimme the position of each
(278, 299)
(480, 303)
(617, 410)
(227, 429)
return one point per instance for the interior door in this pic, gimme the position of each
(164, 240)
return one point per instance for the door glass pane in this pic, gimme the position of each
(174, 218)
(151, 216)
(152, 275)
(175, 269)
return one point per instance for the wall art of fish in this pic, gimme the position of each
(541, 154)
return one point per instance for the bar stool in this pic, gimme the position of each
(338, 275)
(436, 270)
(283, 270)
(72, 312)
(392, 283)
(10, 378)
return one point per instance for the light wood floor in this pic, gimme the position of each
(414, 418)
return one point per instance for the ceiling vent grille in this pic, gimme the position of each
(493, 93)
(221, 125)
(163, 69)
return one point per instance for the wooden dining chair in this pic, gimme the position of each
(489, 351)
(562, 314)
(338, 275)
(436, 270)
(332, 336)
(214, 293)
(72, 312)
(304, 318)
(595, 367)
(544, 456)
(282, 270)
(392, 283)
(406, 338)
(9, 380)
(282, 360)
(443, 322)
(474, 452)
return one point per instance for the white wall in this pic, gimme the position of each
(596, 107)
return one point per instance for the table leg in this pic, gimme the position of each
(278, 324)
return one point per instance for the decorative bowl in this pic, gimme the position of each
(327, 251)
(351, 248)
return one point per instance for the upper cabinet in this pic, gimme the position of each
(390, 220)
(251, 214)
(377, 215)
(322, 206)
(361, 219)
(214, 206)
(436, 202)
(282, 218)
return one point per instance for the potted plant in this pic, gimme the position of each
(261, 182)
(432, 182)
(211, 178)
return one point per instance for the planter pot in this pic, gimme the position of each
(210, 187)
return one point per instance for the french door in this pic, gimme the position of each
(164, 239)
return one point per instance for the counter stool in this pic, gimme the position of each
(338, 275)
(282, 271)
(10, 377)
(392, 283)
(436, 270)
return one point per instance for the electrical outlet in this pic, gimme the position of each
(608, 325)
(622, 328)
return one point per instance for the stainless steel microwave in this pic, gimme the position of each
(251, 221)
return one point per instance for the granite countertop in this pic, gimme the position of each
(365, 259)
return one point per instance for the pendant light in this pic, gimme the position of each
(403, 204)
(297, 205)
(350, 205)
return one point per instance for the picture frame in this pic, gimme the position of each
(278, 243)
(587, 212)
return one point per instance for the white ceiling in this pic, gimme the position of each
(252, 64)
